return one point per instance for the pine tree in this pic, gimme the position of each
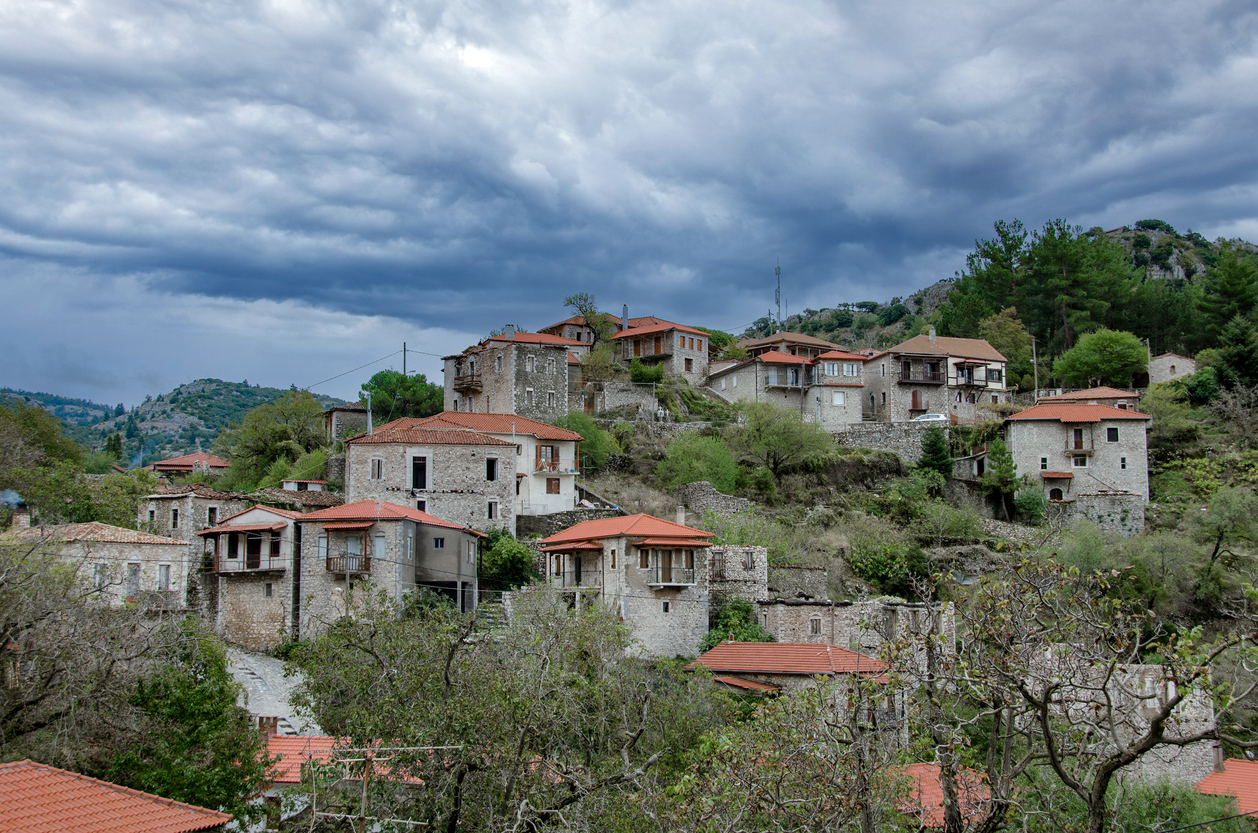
(1000, 479)
(935, 452)
(1231, 289)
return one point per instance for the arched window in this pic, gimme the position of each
(1056, 494)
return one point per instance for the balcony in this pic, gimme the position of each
(467, 381)
(348, 564)
(921, 377)
(1080, 447)
(248, 564)
(552, 468)
(666, 576)
(573, 578)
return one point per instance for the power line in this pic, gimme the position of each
(360, 367)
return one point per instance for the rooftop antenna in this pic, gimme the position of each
(777, 296)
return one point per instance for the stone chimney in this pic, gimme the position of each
(624, 318)
(932, 334)
(681, 515)
(1218, 758)
(509, 332)
(21, 518)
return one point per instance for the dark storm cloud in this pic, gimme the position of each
(461, 165)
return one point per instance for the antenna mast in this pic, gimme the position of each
(777, 296)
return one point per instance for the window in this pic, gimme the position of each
(174, 519)
(492, 510)
(421, 505)
(163, 576)
(688, 560)
(211, 515)
(471, 552)
(550, 399)
(1122, 462)
(253, 546)
(995, 399)
(1055, 494)
(749, 560)
(838, 397)
(419, 472)
(152, 516)
(814, 626)
(529, 364)
(497, 364)
(613, 558)
(100, 575)
(851, 369)
(438, 543)
(1080, 461)
(547, 458)
(377, 469)
(1043, 464)
(552, 485)
(528, 397)
(722, 383)
(700, 343)
(491, 468)
(550, 365)
(1111, 434)
(690, 365)
(884, 397)
(735, 382)
(832, 368)
(378, 549)
(665, 606)
(994, 374)
(267, 589)
(275, 545)
(132, 585)
(644, 559)
(233, 545)
(456, 404)
(322, 546)
(884, 368)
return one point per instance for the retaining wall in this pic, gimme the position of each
(903, 438)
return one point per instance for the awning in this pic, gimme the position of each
(1057, 475)
(349, 525)
(577, 546)
(218, 530)
(749, 685)
(676, 543)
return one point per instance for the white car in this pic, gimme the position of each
(931, 418)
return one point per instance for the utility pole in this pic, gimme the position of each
(369, 428)
(1035, 360)
(777, 296)
(404, 358)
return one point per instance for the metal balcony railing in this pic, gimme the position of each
(673, 575)
(921, 377)
(1080, 446)
(246, 564)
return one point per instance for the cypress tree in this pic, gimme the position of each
(935, 452)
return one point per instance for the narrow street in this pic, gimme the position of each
(267, 690)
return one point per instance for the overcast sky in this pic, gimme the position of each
(282, 191)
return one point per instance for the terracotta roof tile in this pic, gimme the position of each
(1077, 413)
(536, 338)
(1092, 393)
(634, 526)
(660, 327)
(216, 530)
(411, 430)
(839, 355)
(966, 348)
(198, 490)
(925, 801)
(749, 685)
(377, 510)
(35, 798)
(296, 750)
(497, 424)
(189, 460)
(1057, 475)
(1238, 779)
(787, 658)
(94, 532)
(774, 357)
(786, 338)
(283, 513)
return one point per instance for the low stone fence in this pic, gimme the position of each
(1120, 512)
(903, 438)
(701, 496)
(546, 525)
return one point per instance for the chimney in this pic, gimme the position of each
(509, 332)
(1218, 758)
(268, 726)
(21, 518)
(932, 334)
(624, 317)
(681, 515)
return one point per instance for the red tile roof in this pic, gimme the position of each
(1077, 413)
(411, 430)
(187, 461)
(787, 658)
(378, 510)
(1057, 475)
(750, 685)
(1238, 779)
(35, 798)
(775, 357)
(198, 490)
(660, 327)
(218, 530)
(672, 542)
(1092, 393)
(283, 513)
(575, 546)
(497, 424)
(839, 355)
(535, 338)
(95, 532)
(295, 750)
(785, 338)
(925, 801)
(630, 525)
(965, 348)
(572, 358)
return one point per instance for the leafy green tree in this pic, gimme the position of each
(394, 395)
(201, 747)
(735, 621)
(691, 457)
(1105, 357)
(596, 444)
(1008, 335)
(1173, 424)
(507, 565)
(584, 305)
(1000, 477)
(282, 430)
(990, 281)
(936, 455)
(778, 439)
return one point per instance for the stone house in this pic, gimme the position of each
(341, 421)
(514, 373)
(792, 344)
(297, 500)
(182, 511)
(826, 389)
(397, 548)
(578, 329)
(191, 463)
(1170, 366)
(546, 457)
(249, 563)
(866, 626)
(1124, 400)
(657, 575)
(935, 374)
(124, 566)
(683, 351)
(461, 476)
(1081, 449)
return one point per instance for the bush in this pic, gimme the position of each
(890, 566)
(596, 444)
(507, 565)
(736, 620)
(642, 374)
(692, 457)
(1031, 505)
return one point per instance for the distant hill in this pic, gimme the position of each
(187, 419)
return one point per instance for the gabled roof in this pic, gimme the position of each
(787, 658)
(96, 533)
(1238, 779)
(1076, 413)
(283, 513)
(378, 510)
(1176, 355)
(412, 430)
(634, 526)
(925, 801)
(35, 798)
(497, 424)
(774, 357)
(660, 326)
(967, 348)
(1092, 393)
(786, 338)
(187, 461)
(535, 338)
(197, 490)
(840, 355)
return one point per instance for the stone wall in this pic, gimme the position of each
(547, 525)
(247, 616)
(701, 496)
(1111, 511)
(739, 572)
(904, 438)
(335, 469)
(791, 582)
(1045, 445)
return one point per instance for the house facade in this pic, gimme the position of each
(1170, 366)
(826, 388)
(182, 511)
(792, 344)
(935, 374)
(683, 351)
(341, 421)
(396, 548)
(461, 476)
(514, 373)
(1124, 400)
(546, 457)
(250, 574)
(191, 463)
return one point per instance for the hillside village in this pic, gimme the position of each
(622, 572)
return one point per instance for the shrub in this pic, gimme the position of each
(692, 457)
(890, 566)
(507, 565)
(596, 444)
(641, 373)
(736, 620)
(1031, 505)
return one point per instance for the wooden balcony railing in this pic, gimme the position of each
(921, 377)
(349, 564)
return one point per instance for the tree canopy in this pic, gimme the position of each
(394, 395)
(1105, 357)
(283, 430)
(777, 439)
